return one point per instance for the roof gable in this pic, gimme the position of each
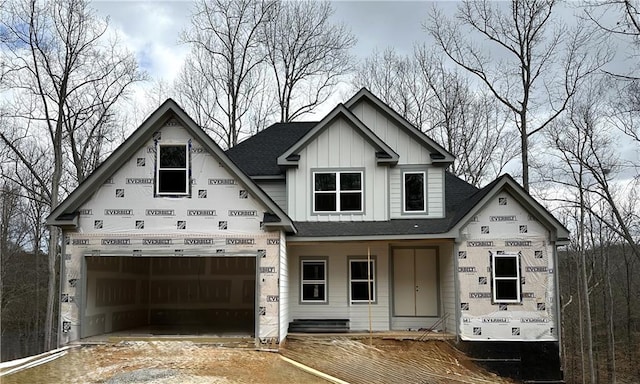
(65, 214)
(258, 154)
(384, 154)
(438, 153)
(505, 182)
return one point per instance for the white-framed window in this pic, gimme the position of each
(172, 169)
(505, 275)
(361, 281)
(414, 198)
(313, 281)
(337, 191)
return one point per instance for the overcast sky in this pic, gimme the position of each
(152, 28)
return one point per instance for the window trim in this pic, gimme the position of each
(517, 278)
(374, 280)
(324, 261)
(186, 169)
(404, 192)
(337, 191)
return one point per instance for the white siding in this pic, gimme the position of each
(339, 146)
(435, 192)
(411, 151)
(447, 287)
(339, 306)
(284, 288)
(277, 191)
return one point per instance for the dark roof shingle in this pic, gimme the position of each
(258, 155)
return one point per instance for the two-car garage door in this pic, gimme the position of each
(176, 295)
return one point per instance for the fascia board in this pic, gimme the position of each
(428, 142)
(91, 184)
(156, 120)
(339, 111)
(528, 202)
(450, 235)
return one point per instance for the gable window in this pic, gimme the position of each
(337, 191)
(361, 281)
(313, 281)
(505, 274)
(415, 192)
(172, 169)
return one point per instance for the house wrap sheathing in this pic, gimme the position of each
(161, 260)
(504, 227)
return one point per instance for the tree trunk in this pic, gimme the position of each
(586, 308)
(608, 310)
(524, 144)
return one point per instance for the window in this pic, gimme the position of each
(361, 281)
(337, 191)
(414, 192)
(505, 273)
(314, 281)
(172, 171)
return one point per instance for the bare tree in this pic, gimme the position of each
(400, 82)
(65, 76)
(527, 60)
(619, 19)
(307, 54)
(227, 51)
(441, 102)
(586, 176)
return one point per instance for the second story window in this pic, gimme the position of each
(414, 192)
(337, 191)
(172, 169)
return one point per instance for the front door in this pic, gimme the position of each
(415, 282)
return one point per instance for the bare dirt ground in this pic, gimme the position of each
(164, 362)
(388, 361)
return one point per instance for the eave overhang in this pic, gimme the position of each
(384, 154)
(61, 215)
(439, 154)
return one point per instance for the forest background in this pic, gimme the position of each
(545, 90)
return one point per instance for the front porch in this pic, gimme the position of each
(410, 285)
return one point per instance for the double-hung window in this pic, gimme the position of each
(314, 281)
(172, 169)
(362, 280)
(415, 196)
(337, 191)
(505, 274)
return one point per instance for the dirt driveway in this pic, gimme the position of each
(388, 361)
(354, 361)
(163, 362)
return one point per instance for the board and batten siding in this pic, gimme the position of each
(338, 305)
(283, 287)
(276, 190)
(410, 150)
(435, 191)
(340, 147)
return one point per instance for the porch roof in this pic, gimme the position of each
(398, 227)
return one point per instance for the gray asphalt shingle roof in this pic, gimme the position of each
(258, 155)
